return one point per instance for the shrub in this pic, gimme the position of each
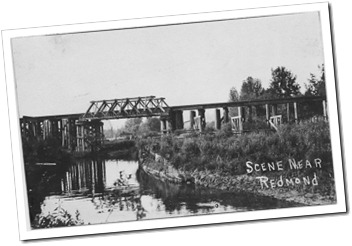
(59, 217)
(190, 147)
(225, 131)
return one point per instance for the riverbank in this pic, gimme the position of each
(293, 163)
(161, 169)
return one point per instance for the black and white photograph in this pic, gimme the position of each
(190, 117)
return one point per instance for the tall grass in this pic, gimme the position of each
(228, 153)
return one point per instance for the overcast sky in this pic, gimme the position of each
(186, 64)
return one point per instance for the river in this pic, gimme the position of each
(105, 191)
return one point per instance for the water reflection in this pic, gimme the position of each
(200, 200)
(100, 190)
(97, 176)
(103, 191)
(84, 177)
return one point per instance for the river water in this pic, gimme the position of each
(93, 190)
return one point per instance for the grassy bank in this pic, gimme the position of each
(274, 163)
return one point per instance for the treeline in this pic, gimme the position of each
(139, 127)
(283, 84)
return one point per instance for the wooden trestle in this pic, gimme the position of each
(78, 132)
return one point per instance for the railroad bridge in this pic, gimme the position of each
(77, 132)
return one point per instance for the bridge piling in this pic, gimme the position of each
(240, 119)
(80, 143)
(267, 113)
(163, 125)
(201, 113)
(178, 119)
(217, 119)
(243, 114)
(169, 126)
(274, 109)
(239, 112)
(88, 134)
(65, 134)
(226, 114)
(250, 113)
(192, 115)
(47, 129)
(295, 111)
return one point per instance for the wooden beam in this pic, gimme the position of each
(296, 111)
(267, 113)
(201, 113)
(248, 103)
(179, 119)
(274, 109)
(250, 113)
(163, 126)
(243, 114)
(192, 114)
(217, 119)
(168, 126)
(226, 114)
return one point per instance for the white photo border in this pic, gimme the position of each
(26, 233)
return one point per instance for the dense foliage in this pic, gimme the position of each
(228, 153)
(59, 217)
(283, 83)
(316, 86)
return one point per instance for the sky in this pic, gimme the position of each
(186, 63)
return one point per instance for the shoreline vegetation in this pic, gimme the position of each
(293, 164)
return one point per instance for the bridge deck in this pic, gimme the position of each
(247, 103)
(53, 117)
(144, 113)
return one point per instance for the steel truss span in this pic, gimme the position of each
(126, 108)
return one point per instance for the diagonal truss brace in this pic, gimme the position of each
(126, 108)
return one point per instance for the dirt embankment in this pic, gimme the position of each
(161, 169)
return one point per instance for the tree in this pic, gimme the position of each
(234, 96)
(132, 125)
(251, 89)
(283, 83)
(153, 124)
(316, 87)
(150, 127)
